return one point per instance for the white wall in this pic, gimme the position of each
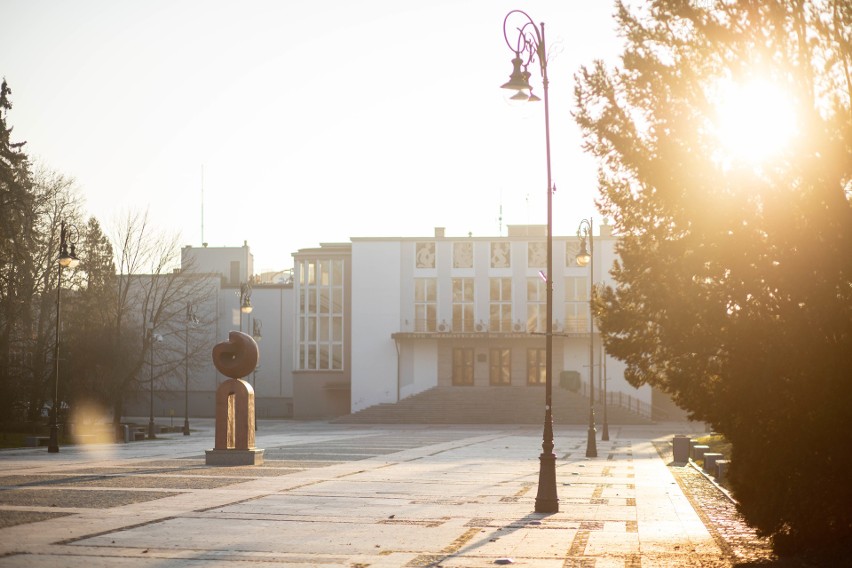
(419, 368)
(376, 286)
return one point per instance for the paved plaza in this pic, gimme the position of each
(353, 496)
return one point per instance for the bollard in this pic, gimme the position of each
(722, 470)
(698, 451)
(680, 448)
(710, 459)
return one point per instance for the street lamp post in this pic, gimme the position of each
(245, 301)
(584, 257)
(67, 259)
(256, 333)
(191, 319)
(605, 433)
(152, 339)
(527, 46)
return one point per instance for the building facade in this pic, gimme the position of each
(380, 319)
(467, 312)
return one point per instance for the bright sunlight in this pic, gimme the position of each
(756, 121)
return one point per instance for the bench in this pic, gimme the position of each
(36, 441)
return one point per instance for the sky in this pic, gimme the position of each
(287, 124)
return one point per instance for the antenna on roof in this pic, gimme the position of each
(500, 217)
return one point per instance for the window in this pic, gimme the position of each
(500, 369)
(500, 304)
(536, 366)
(425, 304)
(463, 304)
(536, 304)
(463, 366)
(576, 304)
(320, 341)
(234, 276)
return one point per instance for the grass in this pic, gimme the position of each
(717, 443)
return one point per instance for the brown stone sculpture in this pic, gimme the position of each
(234, 442)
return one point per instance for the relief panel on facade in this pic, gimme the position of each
(425, 255)
(500, 255)
(536, 254)
(572, 248)
(462, 255)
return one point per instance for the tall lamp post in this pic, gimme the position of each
(605, 433)
(528, 46)
(191, 319)
(245, 301)
(584, 257)
(67, 259)
(152, 339)
(257, 327)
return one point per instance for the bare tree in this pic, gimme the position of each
(152, 293)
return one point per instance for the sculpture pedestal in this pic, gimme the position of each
(235, 403)
(234, 457)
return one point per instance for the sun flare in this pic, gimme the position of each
(755, 121)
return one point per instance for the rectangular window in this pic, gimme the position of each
(463, 304)
(536, 366)
(234, 276)
(536, 305)
(425, 304)
(500, 366)
(500, 304)
(320, 331)
(463, 366)
(576, 304)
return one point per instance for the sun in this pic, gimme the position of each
(755, 121)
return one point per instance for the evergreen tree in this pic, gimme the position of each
(16, 236)
(91, 315)
(734, 284)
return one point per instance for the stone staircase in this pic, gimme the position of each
(488, 405)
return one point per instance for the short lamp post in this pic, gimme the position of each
(191, 320)
(605, 432)
(67, 259)
(584, 257)
(152, 339)
(256, 333)
(245, 301)
(528, 46)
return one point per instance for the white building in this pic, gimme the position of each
(380, 319)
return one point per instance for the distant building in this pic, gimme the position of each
(270, 321)
(380, 319)
(470, 311)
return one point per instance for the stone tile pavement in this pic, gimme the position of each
(354, 496)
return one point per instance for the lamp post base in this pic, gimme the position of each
(546, 501)
(151, 427)
(605, 433)
(186, 427)
(591, 442)
(53, 443)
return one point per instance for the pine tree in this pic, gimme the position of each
(16, 237)
(734, 284)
